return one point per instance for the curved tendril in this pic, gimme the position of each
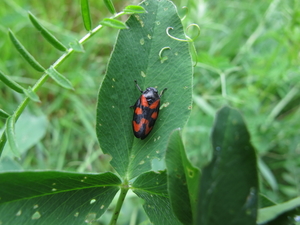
(160, 52)
(162, 59)
(175, 38)
(198, 28)
(187, 10)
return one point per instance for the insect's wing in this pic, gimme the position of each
(144, 117)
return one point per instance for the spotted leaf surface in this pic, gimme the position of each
(55, 197)
(150, 52)
(152, 188)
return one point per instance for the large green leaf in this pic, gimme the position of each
(55, 197)
(229, 185)
(152, 187)
(183, 179)
(137, 56)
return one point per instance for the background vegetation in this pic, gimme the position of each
(248, 57)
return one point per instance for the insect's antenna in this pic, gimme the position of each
(161, 93)
(138, 86)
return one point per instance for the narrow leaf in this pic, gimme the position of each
(229, 184)
(32, 95)
(152, 188)
(268, 213)
(11, 137)
(60, 79)
(113, 23)
(134, 9)
(86, 17)
(29, 130)
(10, 83)
(4, 114)
(110, 6)
(183, 180)
(50, 197)
(136, 57)
(26, 55)
(76, 46)
(46, 34)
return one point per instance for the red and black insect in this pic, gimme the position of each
(146, 111)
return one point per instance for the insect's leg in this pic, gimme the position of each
(138, 86)
(161, 93)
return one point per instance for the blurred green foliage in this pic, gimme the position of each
(248, 57)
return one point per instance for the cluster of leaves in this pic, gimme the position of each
(248, 59)
(228, 187)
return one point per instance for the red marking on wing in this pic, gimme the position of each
(154, 115)
(144, 101)
(155, 104)
(138, 110)
(138, 126)
(148, 129)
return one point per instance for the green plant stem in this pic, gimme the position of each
(116, 212)
(43, 79)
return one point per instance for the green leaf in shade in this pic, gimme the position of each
(264, 201)
(32, 95)
(110, 6)
(10, 83)
(46, 34)
(136, 56)
(26, 55)
(134, 9)
(4, 114)
(11, 137)
(269, 213)
(229, 184)
(152, 188)
(86, 17)
(52, 197)
(60, 79)
(76, 46)
(113, 23)
(183, 180)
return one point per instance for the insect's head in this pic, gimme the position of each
(151, 93)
